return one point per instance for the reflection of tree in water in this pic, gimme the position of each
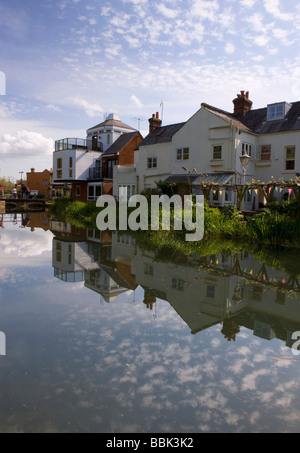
(230, 329)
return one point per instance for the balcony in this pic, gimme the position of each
(100, 173)
(70, 143)
(95, 173)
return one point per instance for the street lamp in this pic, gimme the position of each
(244, 159)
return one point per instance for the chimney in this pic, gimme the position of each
(154, 122)
(242, 104)
(32, 170)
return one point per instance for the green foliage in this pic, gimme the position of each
(8, 185)
(167, 188)
(289, 207)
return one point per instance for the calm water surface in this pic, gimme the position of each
(102, 336)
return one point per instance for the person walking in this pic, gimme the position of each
(14, 191)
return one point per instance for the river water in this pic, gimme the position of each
(99, 334)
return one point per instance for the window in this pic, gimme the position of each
(278, 111)
(130, 188)
(152, 162)
(94, 191)
(275, 112)
(210, 291)
(70, 254)
(78, 191)
(265, 152)
(217, 152)
(59, 168)
(148, 269)
(178, 283)
(290, 152)
(257, 293)
(108, 139)
(58, 252)
(183, 153)
(228, 195)
(248, 196)
(215, 196)
(246, 149)
(70, 167)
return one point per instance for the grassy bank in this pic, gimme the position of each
(279, 224)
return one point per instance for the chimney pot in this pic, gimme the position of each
(242, 104)
(154, 122)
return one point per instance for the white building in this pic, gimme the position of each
(103, 135)
(212, 141)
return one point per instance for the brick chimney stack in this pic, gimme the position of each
(242, 104)
(154, 122)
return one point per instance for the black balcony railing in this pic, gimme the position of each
(70, 143)
(100, 173)
(95, 173)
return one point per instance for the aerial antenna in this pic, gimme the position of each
(162, 110)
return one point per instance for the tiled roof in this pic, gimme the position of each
(115, 123)
(162, 134)
(119, 144)
(226, 116)
(256, 120)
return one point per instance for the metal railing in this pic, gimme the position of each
(70, 143)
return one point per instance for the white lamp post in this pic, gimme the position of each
(244, 158)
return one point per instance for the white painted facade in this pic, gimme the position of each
(212, 141)
(73, 164)
(106, 133)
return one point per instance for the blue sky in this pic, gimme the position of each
(68, 63)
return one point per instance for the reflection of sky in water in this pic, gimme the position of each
(76, 363)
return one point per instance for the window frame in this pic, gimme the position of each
(266, 151)
(286, 159)
(151, 161)
(183, 153)
(59, 168)
(220, 152)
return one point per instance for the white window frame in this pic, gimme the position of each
(247, 148)
(286, 159)
(183, 153)
(131, 190)
(94, 196)
(265, 153)
(276, 112)
(220, 151)
(151, 161)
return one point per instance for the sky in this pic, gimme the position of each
(69, 63)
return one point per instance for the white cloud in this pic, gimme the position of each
(248, 3)
(136, 102)
(91, 109)
(273, 7)
(229, 48)
(167, 12)
(26, 142)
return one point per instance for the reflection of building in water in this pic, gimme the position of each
(38, 220)
(233, 290)
(76, 260)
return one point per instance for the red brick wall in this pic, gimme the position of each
(39, 181)
(126, 156)
(107, 188)
(83, 191)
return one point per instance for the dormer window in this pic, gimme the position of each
(278, 111)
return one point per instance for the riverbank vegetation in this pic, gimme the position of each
(277, 224)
